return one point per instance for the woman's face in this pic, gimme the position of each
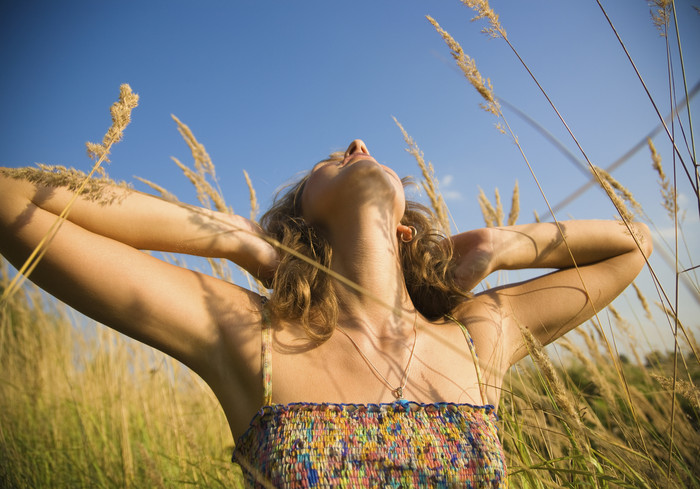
(349, 181)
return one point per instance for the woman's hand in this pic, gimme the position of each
(473, 257)
(247, 246)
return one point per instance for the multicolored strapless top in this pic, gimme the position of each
(391, 445)
(402, 444)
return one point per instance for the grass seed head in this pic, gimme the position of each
(101, 189)
(642, 300)
(484, 11)
(560, 393)
(684, 388)
(468, 67)
(164, 193)
(203, 171)
(253, 199)
(499, 208)
(514, 205)
(429, 182)
(660, 14)
(487, 210)
(617, 193)
(121, 117)
(668, 194)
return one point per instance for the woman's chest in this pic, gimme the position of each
(441, 367)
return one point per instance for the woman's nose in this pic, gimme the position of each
(357, 146)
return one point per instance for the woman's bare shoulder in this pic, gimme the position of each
(239, 317)
(485, 320)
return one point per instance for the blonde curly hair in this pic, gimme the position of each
(303, 292)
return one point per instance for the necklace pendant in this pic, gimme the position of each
(398, 393)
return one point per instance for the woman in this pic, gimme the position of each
(386, 371)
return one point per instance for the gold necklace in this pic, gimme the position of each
(396, 391)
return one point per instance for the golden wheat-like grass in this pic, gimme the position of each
(429, 182)
(493, 214)
(164, 193)
(660, 14)
(514, 205)
(97, 189)
(563, 399)
(83, 406)
(484, 11)
(684, 388)
(617, 193)
(487, 210)
(207, 192)
(643, 301)
(469, 69)
(253, 198)
(121, 117)
(668, 194)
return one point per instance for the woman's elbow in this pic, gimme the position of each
(643, 238)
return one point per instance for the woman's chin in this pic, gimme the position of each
(367, 180)
(368, 173)
(362, 183)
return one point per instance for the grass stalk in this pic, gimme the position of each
(121, 116)
(677, 152)
(687, 100)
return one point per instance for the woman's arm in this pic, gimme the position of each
(93, 263)
(607, 256)
(480, 252)
(146, 222)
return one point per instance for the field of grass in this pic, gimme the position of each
(82, 406)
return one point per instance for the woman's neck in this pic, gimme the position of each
(365, 251)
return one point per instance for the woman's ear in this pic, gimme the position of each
(406, 233)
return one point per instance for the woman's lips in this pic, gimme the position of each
(363, 156)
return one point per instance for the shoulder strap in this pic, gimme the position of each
(266, 353)
(475, 359)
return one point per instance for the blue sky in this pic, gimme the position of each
(272, 87)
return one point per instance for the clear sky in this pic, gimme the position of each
(273, 86)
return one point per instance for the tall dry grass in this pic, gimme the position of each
(603, 421)
(81, 406)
